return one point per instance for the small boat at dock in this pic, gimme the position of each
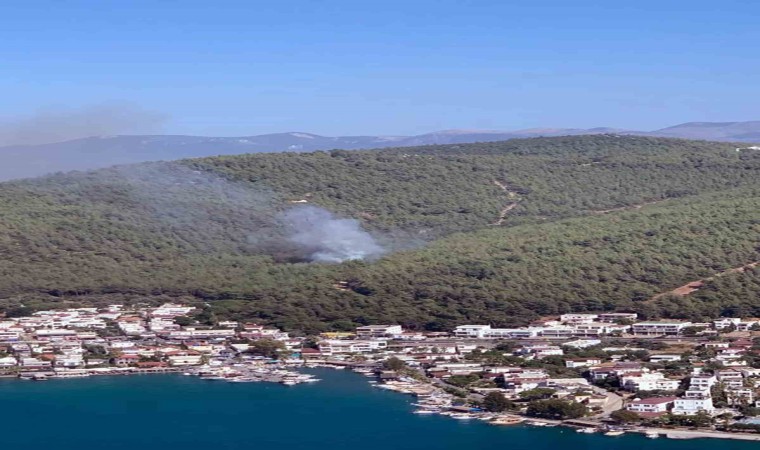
(509, 420)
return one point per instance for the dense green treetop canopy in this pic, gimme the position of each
(499, 232)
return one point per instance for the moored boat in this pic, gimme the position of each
(508, 420)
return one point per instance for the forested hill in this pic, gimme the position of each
(498, 232)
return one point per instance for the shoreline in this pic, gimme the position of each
(697, 434)
(668, 433)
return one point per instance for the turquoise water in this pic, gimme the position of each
(152, 412)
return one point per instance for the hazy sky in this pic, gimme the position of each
(385, 67)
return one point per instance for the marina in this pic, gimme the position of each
(251, 372)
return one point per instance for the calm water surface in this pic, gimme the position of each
(343, 411)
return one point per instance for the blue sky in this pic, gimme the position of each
(386, 67)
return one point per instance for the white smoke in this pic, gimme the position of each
(56, 125)
(328, 238)
(209, 213)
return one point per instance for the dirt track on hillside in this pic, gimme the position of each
(512, 196)
(625, 208)
(696, 285)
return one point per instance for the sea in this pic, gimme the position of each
(343, 411)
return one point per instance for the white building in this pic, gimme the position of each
(659, 328)
(562, 332)
(337, 346)
(740, 396)
(581, 362)
(731, 378)
(596, 329)
(654, 381)
(577, 318)
(486, 332)
(702, 382)
(726, 322)
(651, 405)
(664, 358)
(513, 333)
(34, 363)
(746, 325)
(54, 333)
(8, 361)
(172, 310)
(582, 343)
(185, 360)
(617, 317)
(716, 345)
(472, 331)
(192, 333)
(9, 335)
(689, 406)
(375, 331)
(542, 351)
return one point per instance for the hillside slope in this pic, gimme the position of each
(208, 230)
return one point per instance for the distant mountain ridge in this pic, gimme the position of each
(714, 131)
(21, 161)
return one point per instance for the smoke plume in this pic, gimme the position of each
(211, 214)
(56, 125)
(328, 238)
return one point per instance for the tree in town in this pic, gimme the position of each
(393, 363)
(625, 416)
(266, 347)
(496, 402)
(556, 409)
(462, 380)
(183, 321)
(537, 394)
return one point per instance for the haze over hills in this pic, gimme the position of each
(22, 161)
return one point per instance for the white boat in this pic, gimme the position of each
(614, 433)
(424, 411)
(652, 435)
(586, 430)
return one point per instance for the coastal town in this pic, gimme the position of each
(610, 372)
